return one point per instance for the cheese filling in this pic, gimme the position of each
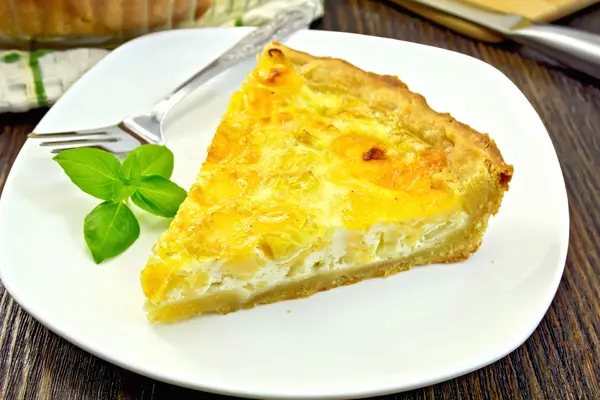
(347, 251)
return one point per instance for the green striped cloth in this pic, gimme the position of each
(38, 78)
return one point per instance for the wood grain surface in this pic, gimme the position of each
(559, 361)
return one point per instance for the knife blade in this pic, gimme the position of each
(572, 48)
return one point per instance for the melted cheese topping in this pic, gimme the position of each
(299, 176)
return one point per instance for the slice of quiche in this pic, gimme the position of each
(321, 175)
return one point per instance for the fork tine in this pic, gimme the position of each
(78, 141)
(99, 147)
(60, 135)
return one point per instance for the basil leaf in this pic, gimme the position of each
(131, 169)
(131, 173)
(159, 196)
(94, 171)
(109, 230)
(153, 159)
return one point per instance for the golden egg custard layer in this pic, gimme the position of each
(319, 175)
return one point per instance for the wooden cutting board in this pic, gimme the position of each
(536, 10)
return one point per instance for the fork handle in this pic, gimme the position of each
(282, 25)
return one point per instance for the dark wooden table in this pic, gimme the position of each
(561, 360)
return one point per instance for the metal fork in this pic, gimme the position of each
(147, 128)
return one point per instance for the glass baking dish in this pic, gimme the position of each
(29, 24)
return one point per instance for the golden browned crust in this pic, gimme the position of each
(67, 18)
(390, 93)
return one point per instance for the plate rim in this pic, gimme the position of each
(374, 390)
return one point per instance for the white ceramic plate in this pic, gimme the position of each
(380, 336)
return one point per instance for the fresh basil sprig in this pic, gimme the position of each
(144, 176)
